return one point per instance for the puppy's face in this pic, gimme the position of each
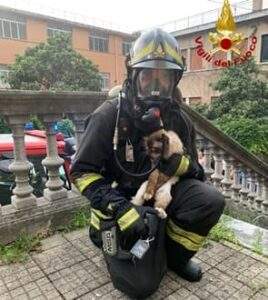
(163, 143)
(155, 149)
(155, 144)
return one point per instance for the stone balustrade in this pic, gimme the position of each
(28, 213)
(239, 175)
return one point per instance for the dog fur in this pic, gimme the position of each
(158, 185)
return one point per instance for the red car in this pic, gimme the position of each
(35, 147)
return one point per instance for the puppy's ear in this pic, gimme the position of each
(165, 140)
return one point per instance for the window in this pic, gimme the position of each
(195, 61)
(264, 48)
(105, 81)
(126, 45)
(12, 29)
(3, 74)
(98, 41)
(194, 100)
(54, 28)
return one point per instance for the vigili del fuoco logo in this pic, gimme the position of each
(226, 39)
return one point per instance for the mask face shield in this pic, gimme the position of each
(155, 83)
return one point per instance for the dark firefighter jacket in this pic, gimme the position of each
(94, 165)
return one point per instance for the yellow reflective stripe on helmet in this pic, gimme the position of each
(128, 218)
(94, 220)
(143, 52)
(183, 167)
(83, 182)
(174, 54)
(190, 240)
(100, 214)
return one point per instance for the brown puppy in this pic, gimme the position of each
(158, 185)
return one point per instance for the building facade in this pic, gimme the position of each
(105, 48)
(196, 84)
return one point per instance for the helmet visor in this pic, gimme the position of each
(155, 82)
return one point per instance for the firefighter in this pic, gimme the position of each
(105, 155)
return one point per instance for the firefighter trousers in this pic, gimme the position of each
(195, 208)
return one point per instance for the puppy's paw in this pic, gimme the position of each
(162, 198)
(138, 198)
(161, 213)
(147, 196)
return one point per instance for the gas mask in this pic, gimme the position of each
(153, 93)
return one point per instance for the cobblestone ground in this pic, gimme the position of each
(70, 267)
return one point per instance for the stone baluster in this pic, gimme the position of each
(199, 141)
(259, 199)
(265, 198)
(252, 192)
(53, 162)
(227, 179)
(236, 186)
(79, 123)
(22, 194)
(207, 159)
(244, 189)
(217, 175)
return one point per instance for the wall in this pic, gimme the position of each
(201, 74)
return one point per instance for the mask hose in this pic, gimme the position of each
(115, 147)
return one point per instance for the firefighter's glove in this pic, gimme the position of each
(169, 166)
(131, 222)
(175, 165)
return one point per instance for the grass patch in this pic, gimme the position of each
(221, 232)
(257, 243)
(81, 219)
(19, 250)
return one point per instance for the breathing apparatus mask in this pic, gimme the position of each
(153, 91)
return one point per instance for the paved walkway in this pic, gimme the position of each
(70, 267)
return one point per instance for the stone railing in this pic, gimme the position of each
(27, 212)
(31, 214)
(239, 175)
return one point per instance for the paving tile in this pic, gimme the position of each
(16, 275)
(53, 241)
(71, 267)
(58, 258)
(85, 246)
(77, 234)
(39, 289)
(79, 279)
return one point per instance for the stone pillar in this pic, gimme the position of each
(227, 180)
(207, 159)
(259, 199)
(22, 194)
(265, 198)
(252, 193)
(244, 190)
(79, 122)
(53, 162)
(217, 175)
(236, 186)
(257, 5)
